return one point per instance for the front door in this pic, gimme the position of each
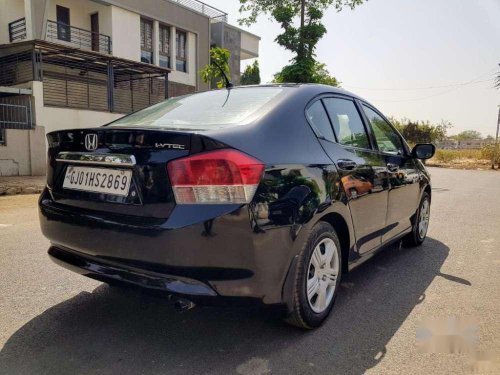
(94, 28)
(404, 189)
(361, 168)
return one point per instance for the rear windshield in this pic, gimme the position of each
(211, 109)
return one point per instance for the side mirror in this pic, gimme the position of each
(423, 151)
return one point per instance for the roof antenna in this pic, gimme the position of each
(229, 84)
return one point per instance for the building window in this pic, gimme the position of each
(63, 28)
(3, 141)
(181, 53)
(164, 46)
(146, 41)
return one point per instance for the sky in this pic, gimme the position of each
(418, 59)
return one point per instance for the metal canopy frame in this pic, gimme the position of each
(42, 54)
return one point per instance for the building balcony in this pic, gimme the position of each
(76, 37)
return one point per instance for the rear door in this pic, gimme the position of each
(404, 188)
(363, 172)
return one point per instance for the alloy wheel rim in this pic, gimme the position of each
(322, 275)
(423, 223)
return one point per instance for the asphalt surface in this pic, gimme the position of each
(55, 322)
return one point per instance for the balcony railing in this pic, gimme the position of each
(76, 37)
(214, 14)
(17, 30)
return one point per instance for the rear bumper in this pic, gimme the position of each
(107, 272)
(222, 258)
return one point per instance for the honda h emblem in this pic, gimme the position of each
(91, 142)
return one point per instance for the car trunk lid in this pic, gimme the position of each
(141, 154)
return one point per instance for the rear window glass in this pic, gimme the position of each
(319, 119)
(347, 122)
(211, 109)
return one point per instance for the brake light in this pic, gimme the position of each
(216, 177)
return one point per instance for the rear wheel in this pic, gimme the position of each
(421, 225)
(318, 277)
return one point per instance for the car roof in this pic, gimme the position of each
(311, 89)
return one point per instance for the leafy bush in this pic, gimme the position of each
(219, 61)
(487, 152)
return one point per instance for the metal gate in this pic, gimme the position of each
(16, 113)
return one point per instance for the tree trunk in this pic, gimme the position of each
(301, 30)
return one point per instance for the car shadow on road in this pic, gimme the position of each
(125, 331)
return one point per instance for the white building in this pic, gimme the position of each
(80, 63)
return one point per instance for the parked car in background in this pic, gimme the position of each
(242, 195)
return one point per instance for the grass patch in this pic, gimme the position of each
(447, 156)
(464, 159)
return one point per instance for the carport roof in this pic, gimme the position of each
(84, 56)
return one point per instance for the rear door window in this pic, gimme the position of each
(347, 122)
(319, 120)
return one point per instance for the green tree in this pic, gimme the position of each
(397, 123)
(219, 59)
(251, 75)
(302, 30)
(440, 131)
(469, 135)
(421, 131)
(307, 71)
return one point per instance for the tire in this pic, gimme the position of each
(311, 311)
(418, 234)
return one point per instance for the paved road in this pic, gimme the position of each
(53, 321)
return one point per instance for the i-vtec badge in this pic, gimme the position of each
(170, 146)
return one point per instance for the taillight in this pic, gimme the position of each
(215, 177)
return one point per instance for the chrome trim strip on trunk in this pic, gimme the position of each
(121, 160)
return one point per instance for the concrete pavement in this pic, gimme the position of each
(54, 321)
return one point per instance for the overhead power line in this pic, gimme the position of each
(457, 84)
(427, 96)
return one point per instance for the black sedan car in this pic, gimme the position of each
(259, 194)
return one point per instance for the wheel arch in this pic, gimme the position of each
(341, 226)
(345, 232)
(428, 190)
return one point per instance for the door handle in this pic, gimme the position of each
(391, 167)
(346, 164)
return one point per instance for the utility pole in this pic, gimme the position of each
(495, 150)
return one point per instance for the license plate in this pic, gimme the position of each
(98, 180)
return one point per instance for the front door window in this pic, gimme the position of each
(387, 139)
